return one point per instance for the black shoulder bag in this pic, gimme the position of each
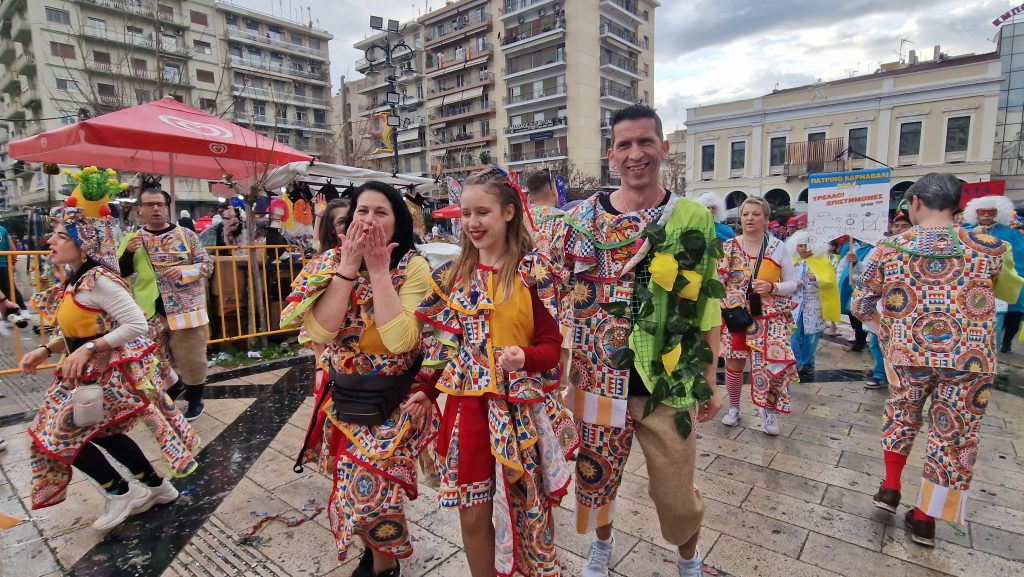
(738, 319)
(370, 399)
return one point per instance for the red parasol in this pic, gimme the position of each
(161, 137)
(451, 211)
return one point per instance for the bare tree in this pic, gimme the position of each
(673, 172)
(581, 183)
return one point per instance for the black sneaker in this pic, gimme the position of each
(921, 532)
(176, 390)
(365, 566)
(887, 499)
(194, 411)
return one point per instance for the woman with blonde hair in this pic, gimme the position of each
(759, 280)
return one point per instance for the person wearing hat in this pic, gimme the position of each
(102, 336)
(716, 206)
(992, 214)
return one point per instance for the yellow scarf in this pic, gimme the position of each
(828, 285)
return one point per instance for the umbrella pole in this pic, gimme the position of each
(174, 197)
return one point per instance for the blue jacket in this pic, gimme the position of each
(862, 250)
(1015, 239)
(724, 231)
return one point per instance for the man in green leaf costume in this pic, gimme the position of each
(643, 328)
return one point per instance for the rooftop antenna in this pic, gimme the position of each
(902, 42)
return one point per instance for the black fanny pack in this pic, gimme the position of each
(370, 399)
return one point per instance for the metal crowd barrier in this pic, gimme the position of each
(240, 305)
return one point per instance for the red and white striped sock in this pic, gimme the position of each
(734, 384)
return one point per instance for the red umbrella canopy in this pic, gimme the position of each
(161, 137)
(452, 211)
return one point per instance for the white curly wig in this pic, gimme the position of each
(715, 204)
(801, 237)
(1003, 206)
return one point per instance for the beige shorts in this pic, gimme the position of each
(185, 348)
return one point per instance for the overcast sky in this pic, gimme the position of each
(709, 51)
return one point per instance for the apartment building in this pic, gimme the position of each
(63, 57)
(917, 117)
(278, 75)
(1007, 160)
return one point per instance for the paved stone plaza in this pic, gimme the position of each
(793, 506)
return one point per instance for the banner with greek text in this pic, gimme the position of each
(854, 203)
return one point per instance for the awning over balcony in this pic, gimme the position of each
(457, 97)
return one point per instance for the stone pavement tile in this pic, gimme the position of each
(229, 383)
(272, 470)
(715, 428)
(310, 489)
(722, 489)
(790, 446)
(850, 528)
(999, 454)
(289, 440)
(636, 458)
(853, 561)
(24, 547)
(83, 505)
(567, 538)
(948, 558)
(264, 378)
(70, 547)
(827, 474)
(13, 430)
(875, 466)
(805, 419)
(444, 523)
(243, 508)
(996, 516)
(650, 560)
(766, 478)
(736, 450)
(838, 441)
(997, 542)
(306, 550)
(301, 416)
(454, 566)
(860, 504)
(753, 528)
(429, 551)
(745, 559)
(424, 504)
(845, 416)
(226, 410)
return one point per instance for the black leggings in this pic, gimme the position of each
(11, 292)
(121, 447)
(1010, 327)
(860, 336)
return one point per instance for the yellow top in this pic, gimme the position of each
(77, 320)
(511, 321)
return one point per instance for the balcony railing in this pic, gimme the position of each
(275, 67)
(274, 96)
(813, 156)
(623, 33)
(632, 7)
(550, 123)
(530, 62)
(517, 5)
(463, 23)
(123, 7)
(482, 79)
(445, 139)
(537, 155)
(622, 63)
(453, 110)
(627, 95)
(120, 70)
(435, 63)
(240, 34)
(533, 29)
(556, 90)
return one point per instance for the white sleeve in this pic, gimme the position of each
(790, 282)
(113, 299)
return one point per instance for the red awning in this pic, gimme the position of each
(161, 137)
(452, 211)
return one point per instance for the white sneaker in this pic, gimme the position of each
(120, 506)
(159, 495)
(600, 557)
(768, 422)
(690, 567)
(732, 417)
(3, 445)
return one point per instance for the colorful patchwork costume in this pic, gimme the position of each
(768, 341)
(505, 438)
(603, 256)
(373, 467)
(132, 390)
(938, 287)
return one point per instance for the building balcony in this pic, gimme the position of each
(121, 7)
(374, 107)
(245, 36)
(629, 9)
(619, 97)
(459, 112)
(143, 41)
(10, 83)
(465, 25)
(7, 53)
(273, 96)
(7, 9)
(532, 34)
(622, 65)
(120, 70)
(266, 65)
(172, 18)
(537, 126)
(462, 139)
(482, 79)
(176, 79)
(25, 64)
(447, 62)
(557, 91)
(30, 98)
(538, 156)
(814, 156)
(21, 30)
(15, 107)
(534, 64)
(623, 36)
(514, 8)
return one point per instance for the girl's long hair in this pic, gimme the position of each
(518, 239)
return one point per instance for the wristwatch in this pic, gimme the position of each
(90, 346)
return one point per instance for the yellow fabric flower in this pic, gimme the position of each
(671, 359)
(691, 291)
(664, 269)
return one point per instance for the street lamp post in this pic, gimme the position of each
(390, 56)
